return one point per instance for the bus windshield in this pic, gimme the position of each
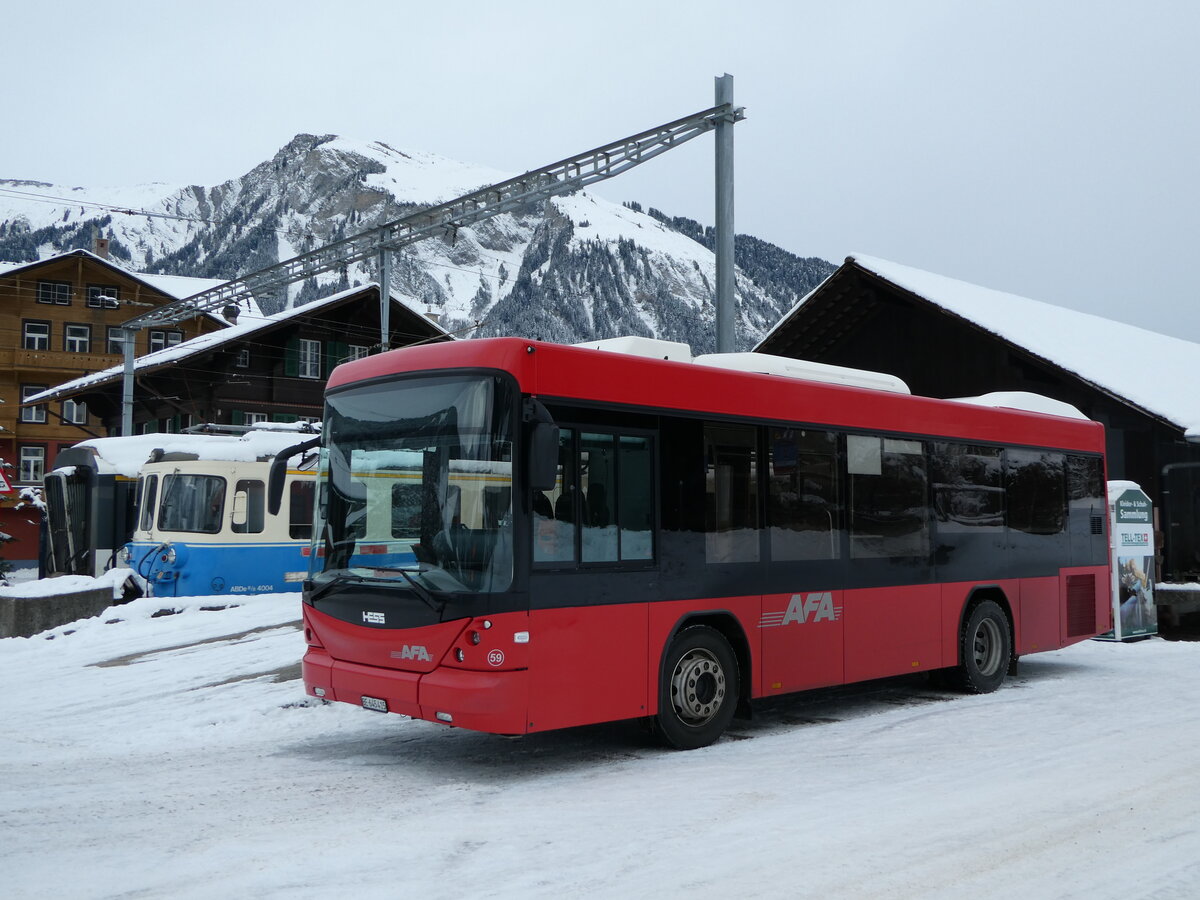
(416, 485)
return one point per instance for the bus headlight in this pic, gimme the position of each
(124, 557)
(168, 555)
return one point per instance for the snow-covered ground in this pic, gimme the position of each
(177, 756)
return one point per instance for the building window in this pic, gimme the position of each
(356, 351)
(103, 296)
(116, 340)
(33, 465)
(36, 335)
(33, 414)
(243, 358)
(74, 413)
(160, 340)
(253, 418)
(309, 359)
(57, 292)
(77, 338)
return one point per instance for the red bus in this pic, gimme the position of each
(514, 536)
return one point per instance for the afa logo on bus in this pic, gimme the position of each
(802, 608)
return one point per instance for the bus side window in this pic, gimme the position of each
(554, 515)
(635, 497)
(731, 493)
(597, 474)
(803, 511)
(968, 494)
(602, 507)
(888, 502)
(1037, 492)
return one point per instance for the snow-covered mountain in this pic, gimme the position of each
(570, 269)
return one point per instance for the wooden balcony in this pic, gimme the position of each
(61, 361)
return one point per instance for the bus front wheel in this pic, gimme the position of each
(985, 648)
(699, 688)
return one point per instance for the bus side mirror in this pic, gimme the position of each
(278, 474)
(239, 516)
(543, 456)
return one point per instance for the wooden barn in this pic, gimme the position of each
(949, 338)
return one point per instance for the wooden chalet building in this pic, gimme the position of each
(948, 338)
(259, 369)
(60, 318)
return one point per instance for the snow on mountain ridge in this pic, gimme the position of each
(572, 268)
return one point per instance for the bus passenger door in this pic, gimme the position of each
(801, 627)
(593, 575)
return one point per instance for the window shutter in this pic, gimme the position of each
(237, 417)
(335, 352)
(291, 358)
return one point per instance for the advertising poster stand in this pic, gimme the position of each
(1131, 531)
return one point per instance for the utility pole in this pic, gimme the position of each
(726, 299)
(128, 335)
(385, 299)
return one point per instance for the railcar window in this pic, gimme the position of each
(300, 510)
(192, 503)
(888, 506)
(731, 493)
(406, 511)
(147, 494)
(255, 501)
(803, 510)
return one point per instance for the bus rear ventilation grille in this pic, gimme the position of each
(1097, 524)
(1081, 605)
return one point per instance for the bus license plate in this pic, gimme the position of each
(374, 703)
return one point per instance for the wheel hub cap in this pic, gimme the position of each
(697, 687)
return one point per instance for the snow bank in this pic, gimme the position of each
(114, 580)
(176, 755)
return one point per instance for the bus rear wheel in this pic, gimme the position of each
(985, 649)
(699, 688)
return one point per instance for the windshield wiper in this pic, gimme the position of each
(423, 592)
(322, 589)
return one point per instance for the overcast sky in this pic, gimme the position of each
(1045, 148)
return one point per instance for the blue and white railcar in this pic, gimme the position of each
(203, 527)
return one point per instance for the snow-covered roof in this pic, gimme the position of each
(177, 286)
(126, 455)
(1154, 372)
(246, 325)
